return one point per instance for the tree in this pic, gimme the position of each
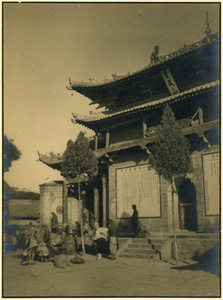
(170, 155)
(11, 153)
(79, 158)
(27, 195)
(79, 161)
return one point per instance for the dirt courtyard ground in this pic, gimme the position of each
(104, 278)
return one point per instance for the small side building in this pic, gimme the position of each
(54, 198)
(23, 211)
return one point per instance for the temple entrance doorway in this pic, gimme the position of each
(187, 206)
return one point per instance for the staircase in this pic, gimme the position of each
(160, 245)
(137, 248)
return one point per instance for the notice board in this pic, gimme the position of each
(211, 179)
(139, 185)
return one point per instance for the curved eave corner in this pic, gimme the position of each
(52, 161)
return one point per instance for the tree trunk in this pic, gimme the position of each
(173, 220)
(82, 234)
(65, 211)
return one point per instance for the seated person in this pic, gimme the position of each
(59, 242)
(101, 241)
(46, 235)
(43, 252)
(30, 245)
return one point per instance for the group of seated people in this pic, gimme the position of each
(35, 241)
(39, 243)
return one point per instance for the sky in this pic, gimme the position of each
(45, 44)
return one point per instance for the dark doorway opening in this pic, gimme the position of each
(187, 206)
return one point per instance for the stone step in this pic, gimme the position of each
(121, 242)
(139, 245)
(131, 255)
(160, 241)
(140, 240)
(184, 234)
(139, 251)
(157, 246)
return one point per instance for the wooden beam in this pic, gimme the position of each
(119, 124)
(199, 130)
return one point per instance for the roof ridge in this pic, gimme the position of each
(186, 49)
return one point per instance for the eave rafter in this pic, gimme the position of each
(101, 120)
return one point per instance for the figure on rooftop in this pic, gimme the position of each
(154, 56)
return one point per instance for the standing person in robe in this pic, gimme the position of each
(54, 223)
(135, 221)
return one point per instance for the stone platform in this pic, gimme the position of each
(191, 245)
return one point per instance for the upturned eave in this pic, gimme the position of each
(52, 161)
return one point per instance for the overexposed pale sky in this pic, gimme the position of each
(45, 44)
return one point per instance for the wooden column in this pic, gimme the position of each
(200, 113)
(65, 210)
(96, 205)
(107, 138)
(144, 126)
(96, 141)
(104, 195)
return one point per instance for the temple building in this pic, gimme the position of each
(188, 80)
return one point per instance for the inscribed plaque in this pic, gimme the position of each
(211, 178)
(139, 185)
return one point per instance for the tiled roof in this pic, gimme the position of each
(181, 96)
(188, 48)
(21, 208)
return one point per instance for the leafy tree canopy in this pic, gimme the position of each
(79, 158)
(170, 152)
(11, 153)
